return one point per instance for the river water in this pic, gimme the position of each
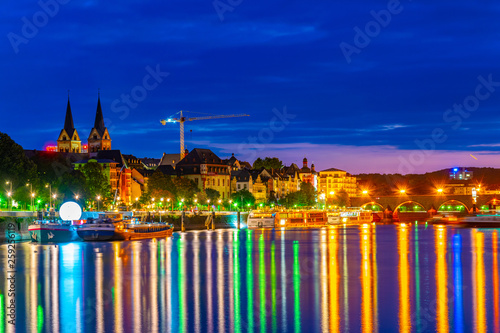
(383, 278)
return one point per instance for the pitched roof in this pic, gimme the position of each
(114, 155)
(200, 156)
(169, 159)
(332, 169)
(241, 175)
(69, 126)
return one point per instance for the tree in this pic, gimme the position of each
(15, 167)
(160, 186)
(243, 197)
(341, 199)
(97, 184)
(272, 198)
(306, 196)
(212, 194)
(184, 189)
(73, 184)
(268, 163)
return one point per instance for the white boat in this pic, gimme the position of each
(355, 216)
(333, 218)
(482, 220)
(52, 232)
(259, 219)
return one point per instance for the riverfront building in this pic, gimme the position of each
(332, 180)
(207, 170)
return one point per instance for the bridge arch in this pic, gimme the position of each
(414, 203)
(452, 205)
(373, 206)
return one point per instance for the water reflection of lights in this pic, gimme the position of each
(283, 281)
(210, 310)
(345, 277)
(99, 292)
(458, 283)
(118, 287)
(366, 282)
(250, 280)
(169, 243)
(136, 249)
(220, 282)
(296, 286)
(153, 285)
(262, 283)
(333, 275)
(182, 276)
(496, 282)
(479, 290)
(237, 282)
(441, 279)
(273, 287)
(196, 281)
(230, 281)
(404, 280)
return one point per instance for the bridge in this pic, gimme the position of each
(425, 202)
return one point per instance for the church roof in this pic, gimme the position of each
(69, 126)
(99, 118)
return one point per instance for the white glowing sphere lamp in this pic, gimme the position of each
(70, 211)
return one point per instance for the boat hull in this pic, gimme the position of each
(96, 235)
(253, 223)
(143, 232)
(52, 234)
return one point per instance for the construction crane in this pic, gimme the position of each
(181, 120)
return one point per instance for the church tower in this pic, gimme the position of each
(99, 136)
(69, 141)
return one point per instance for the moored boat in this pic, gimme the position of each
(97, 230)
(301, 219)
(52, 232)
(355, 216)
(482, 221)
(261, 219)
(141, 230)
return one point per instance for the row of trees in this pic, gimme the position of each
(50, 177)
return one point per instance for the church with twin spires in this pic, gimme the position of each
(69, 140)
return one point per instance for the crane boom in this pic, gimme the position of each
(181, 120)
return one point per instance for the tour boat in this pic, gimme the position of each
(52, 232)
(142, 230)
(260, 219)
(333, 218)
(301, 219)
(355, 216)
(482, 220)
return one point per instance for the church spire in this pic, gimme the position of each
(68, 122)
(99, 119)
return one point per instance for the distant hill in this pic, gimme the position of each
(390, 184)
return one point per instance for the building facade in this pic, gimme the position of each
(332, 180)
(207, 171)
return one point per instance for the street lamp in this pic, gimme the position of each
(440, 190)
(9, 194)
(402, 191)
(50, 195)
(98, 201)
(31, 195)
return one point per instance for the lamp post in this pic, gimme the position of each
(32, 196)
(9, 194)
(98, 201)
(136, 203)
(171, 204)
(218, 206)
(50, 195)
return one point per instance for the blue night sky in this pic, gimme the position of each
(312, 84)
